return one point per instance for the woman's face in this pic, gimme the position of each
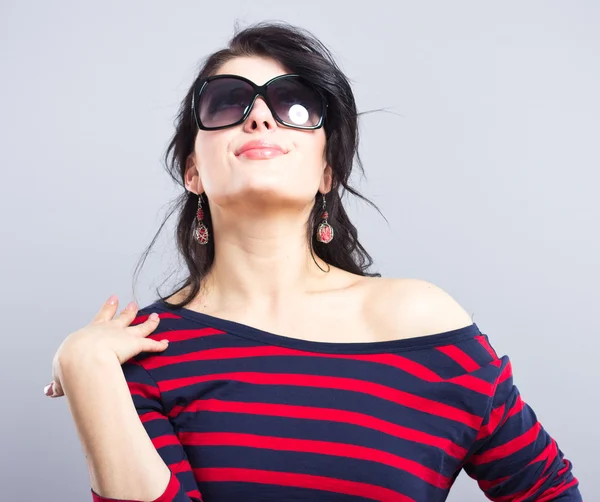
(290, 180)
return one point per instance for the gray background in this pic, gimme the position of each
(487, 173)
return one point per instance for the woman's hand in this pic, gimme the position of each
(106, 336)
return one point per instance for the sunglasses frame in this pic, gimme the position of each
(259, 90)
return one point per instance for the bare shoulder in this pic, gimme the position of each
(413, 307)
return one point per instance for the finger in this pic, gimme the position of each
(108, 310)
(54, 389)
(58, 390)
(147, 327)
(150, 345)
(127, 315)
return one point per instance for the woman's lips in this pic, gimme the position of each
(261, 153)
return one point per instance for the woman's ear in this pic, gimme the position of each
(193, 183)
(326, 180)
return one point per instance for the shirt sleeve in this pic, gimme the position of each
(145, 393)
(514, 458)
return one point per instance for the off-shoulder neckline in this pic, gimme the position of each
(266, 337)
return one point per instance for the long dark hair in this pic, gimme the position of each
(300, 52)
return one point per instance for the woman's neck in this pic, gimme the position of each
(262, 264)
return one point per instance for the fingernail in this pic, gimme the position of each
(112, 300)
(48, 390)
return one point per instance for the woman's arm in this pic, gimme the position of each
(130, 446)
(121, 458)
(514, 458)
(123, 462)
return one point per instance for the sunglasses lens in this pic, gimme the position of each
(223, 102)
(295, 102)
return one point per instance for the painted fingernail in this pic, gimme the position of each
(112, 300)
(48, 390)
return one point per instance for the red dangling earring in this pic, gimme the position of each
(324, 230)
(201, 232)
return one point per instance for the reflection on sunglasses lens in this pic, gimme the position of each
(298, 114)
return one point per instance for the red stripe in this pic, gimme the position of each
(505, 374)
(399, 362)
(524, 495)
(517, 407)
(185, 334)
(152, 415)
(552, 492)
(349, 384)
(179, 467)
(313, 446)
(403, 363)
(171, 491)
(323, 483)
(496, 416)
(221, 353)
(567, 463)
(182, 466)
(165, 440)
(487, 485)
(474, 383)
(460, 357)
(420, 371)
(497, 419)
(168, 495)
(411, 367)
(548, 454)
(329, 414)
(512, 446)
(141, 389)
(486, 345)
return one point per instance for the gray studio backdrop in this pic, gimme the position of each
(488, 172)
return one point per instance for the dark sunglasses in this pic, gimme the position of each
(224, 101)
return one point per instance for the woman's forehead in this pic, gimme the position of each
(256, 68)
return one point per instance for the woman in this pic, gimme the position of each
(281, 370)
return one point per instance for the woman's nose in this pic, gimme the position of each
(260, 116)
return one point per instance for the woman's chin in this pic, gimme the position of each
(263, 195)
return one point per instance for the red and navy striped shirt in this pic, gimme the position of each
(240, 414)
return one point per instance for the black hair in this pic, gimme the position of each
(300, 52)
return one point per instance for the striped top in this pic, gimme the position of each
(240, 414)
